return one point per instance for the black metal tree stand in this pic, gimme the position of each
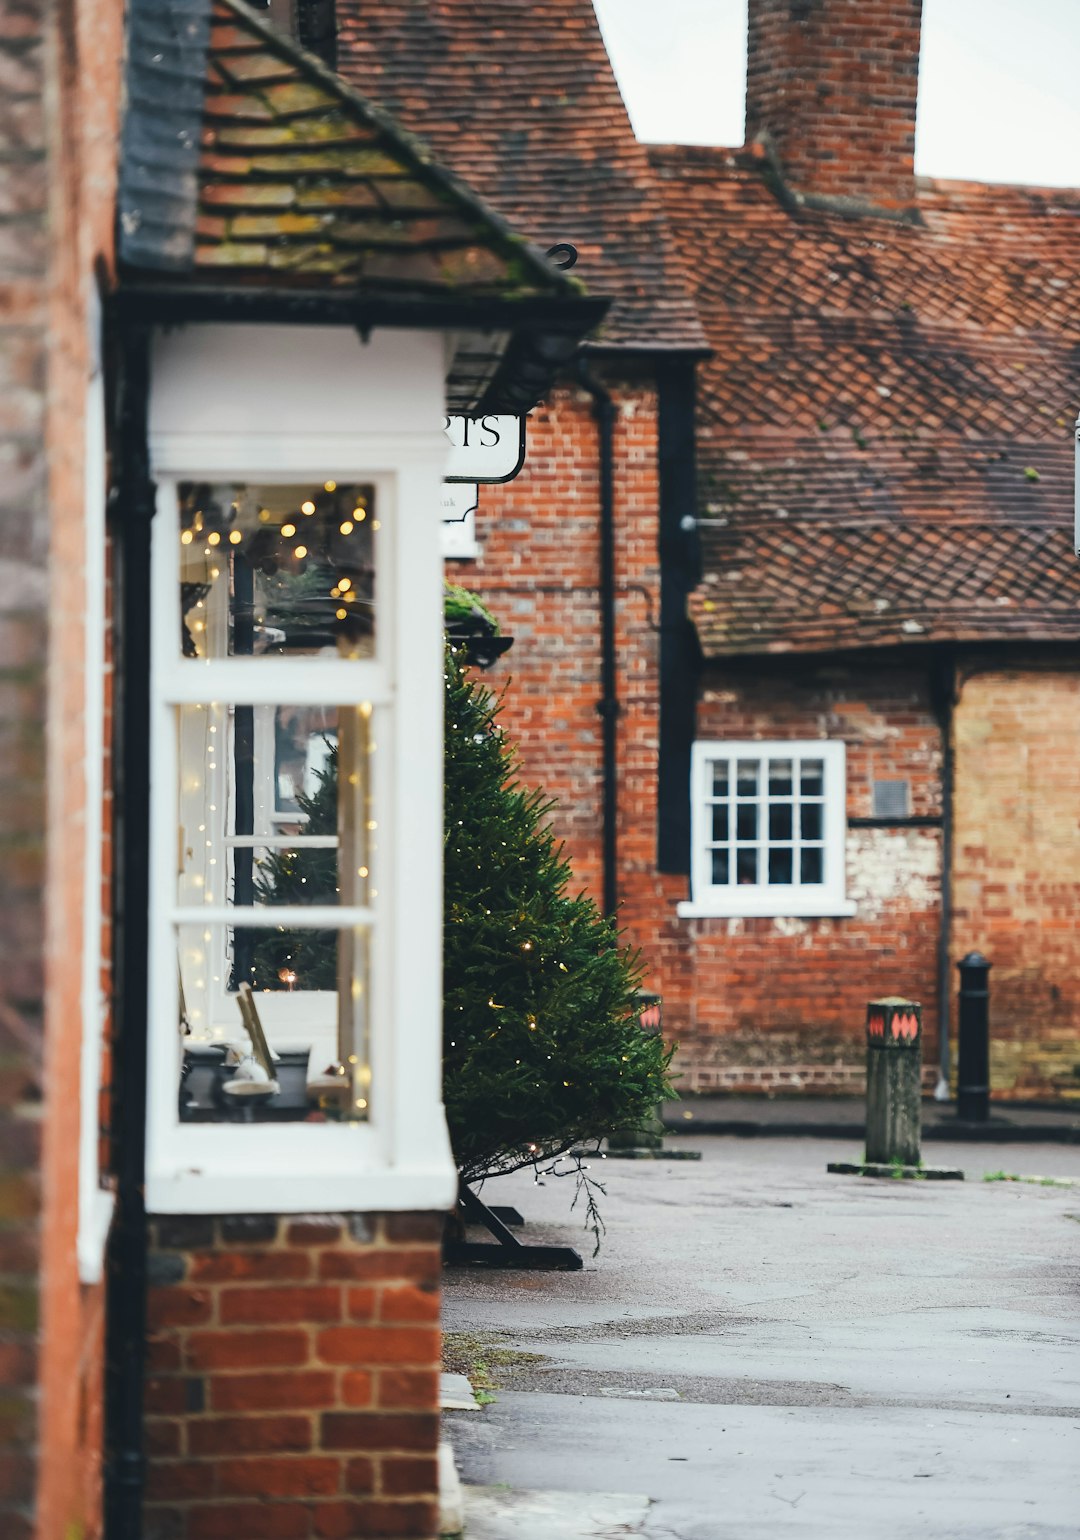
(506, 1250)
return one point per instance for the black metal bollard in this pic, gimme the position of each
(893, 1081)
(973, 1039)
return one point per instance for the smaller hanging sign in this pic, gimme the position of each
(485, 449)
(459, 519)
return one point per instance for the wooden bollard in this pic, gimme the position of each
(893, 1081)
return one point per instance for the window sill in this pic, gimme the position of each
(827, 909)
(217, 1189)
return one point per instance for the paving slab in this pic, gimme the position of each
(500, 1513)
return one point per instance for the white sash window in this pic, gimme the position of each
(767, 827)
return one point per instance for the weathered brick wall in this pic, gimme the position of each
(23, 641)
(292, 1384)
(755, 1004)
(780, 1004)
(834, 84)
(1017, 868)
(539, 573)
(59, 77)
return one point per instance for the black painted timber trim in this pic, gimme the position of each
(680, 571)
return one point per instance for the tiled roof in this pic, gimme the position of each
(773, 586)
(302, 181)
(885, 444)
(519, 98)
(293, 178)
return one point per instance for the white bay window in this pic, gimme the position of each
(767, 829)
(296, 772)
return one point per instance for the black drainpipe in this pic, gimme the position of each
(131, 512)
(608, 704)
(943, 686)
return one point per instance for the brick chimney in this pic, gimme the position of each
(831, 87)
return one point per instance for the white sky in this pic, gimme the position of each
(999, 87)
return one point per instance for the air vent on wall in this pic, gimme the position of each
(892, 799)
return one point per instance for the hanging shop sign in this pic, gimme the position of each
(485, 449)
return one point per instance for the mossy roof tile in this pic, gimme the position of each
(368, 207)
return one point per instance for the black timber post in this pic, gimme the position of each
(680, 571)
(131, 509)
(973, 1039)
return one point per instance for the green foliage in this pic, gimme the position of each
(542, 1046)
(462, 609)
(301, 877)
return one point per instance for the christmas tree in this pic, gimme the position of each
(542, 1043)
(300, 959)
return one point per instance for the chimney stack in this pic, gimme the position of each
(831, 87)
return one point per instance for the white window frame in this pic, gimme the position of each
(400, 1159)
(776, 901)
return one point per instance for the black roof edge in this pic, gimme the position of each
(545, 332)
(651, 350)
(168, 304)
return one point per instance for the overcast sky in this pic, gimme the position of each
(999, 87)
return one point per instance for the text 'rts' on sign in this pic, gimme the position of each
(485, 449)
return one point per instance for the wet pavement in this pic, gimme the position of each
(763, 1349)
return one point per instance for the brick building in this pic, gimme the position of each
(858, 764)
(232, 327)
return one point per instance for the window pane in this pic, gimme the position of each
(747, 777)
(812, 778)
(719, 778)
(277, 571)
(780, 865)
(811, 864)
(720, 866)
(780, 783)
(720, 822)
(746, 866)
(275, 807)
(746, 821)
(810, 820)
(780, 820)
(259, 1057)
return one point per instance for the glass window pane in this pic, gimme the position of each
(720, 866)
(253, 1057)
(811, 864)
(275, 805)
(746, 866)
(747, 777)
(277, 571)
(812, 778)
(746, 821)
(720, 822)
(810, 820)
(780, 865)
(780, 783)
(719, 783)
(780, 820)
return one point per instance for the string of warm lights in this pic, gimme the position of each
(311, 560)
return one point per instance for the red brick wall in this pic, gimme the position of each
(80, 56)
(834, 84)
(23, 642)
(539, 574)
(292, 1385)
(755, 1004)
(780, 1004)
(1017, 868)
